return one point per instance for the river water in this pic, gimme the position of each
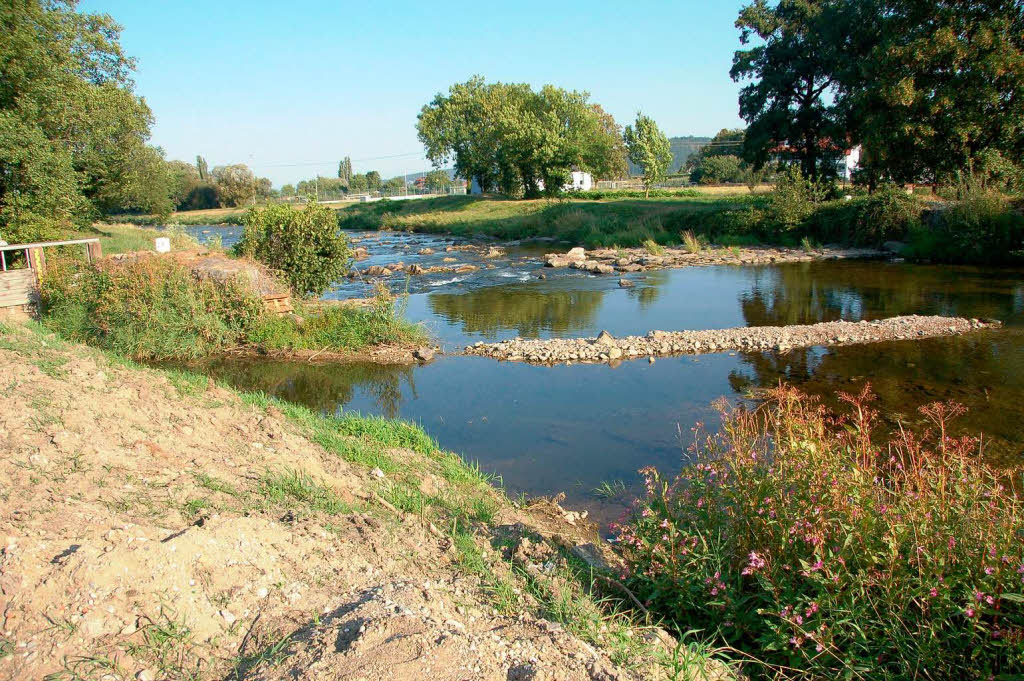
(569, 428)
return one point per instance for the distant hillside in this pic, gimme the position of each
(682, 149)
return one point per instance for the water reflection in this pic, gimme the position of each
(322, 387)
(550, 429)
(522, 308)
(812, 292)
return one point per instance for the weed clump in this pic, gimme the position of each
(797, 538)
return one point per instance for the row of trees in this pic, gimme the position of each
(509, 138)
(73, 133)
(194, 187)
(930, 88)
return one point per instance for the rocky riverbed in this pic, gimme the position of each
(607, 348)
(611, 260)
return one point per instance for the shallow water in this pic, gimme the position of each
(568, 428)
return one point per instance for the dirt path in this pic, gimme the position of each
(607, 348)
(154, 526)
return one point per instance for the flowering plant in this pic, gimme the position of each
(802, 540)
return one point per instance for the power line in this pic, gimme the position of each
(417, 154)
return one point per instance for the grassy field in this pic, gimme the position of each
(124, 238)
(620, 219)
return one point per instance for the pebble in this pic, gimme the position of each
(607, 348)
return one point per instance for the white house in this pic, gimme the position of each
(849, 163)
(579, 181)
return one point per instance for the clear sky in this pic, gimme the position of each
(291, 87)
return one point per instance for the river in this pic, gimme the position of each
(569, 428)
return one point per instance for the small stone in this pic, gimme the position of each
(146, 675)
(377, 473)
(625, 283)
(423, 354)
(228, 616)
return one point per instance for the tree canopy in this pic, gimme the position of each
(649, 148)
(510, 138)
(72, 131)
(930, 88)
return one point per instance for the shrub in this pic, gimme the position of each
(152, 308)
(797, 539)
(653, 247)
(983, 227)
(793, 200)
(340, 328)
(691, 242)
(305, 245)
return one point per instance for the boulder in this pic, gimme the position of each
(377, 271)
(626, 283)
(577, 253)
(604, 338)
(423, 354)
(893, 246)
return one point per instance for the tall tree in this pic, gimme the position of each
(202, 168)
(794, 66)
(72, 131)
(236, 184)
(345, 170)
(648, 148)
(373, 181)
(942, 85)
(507, 136)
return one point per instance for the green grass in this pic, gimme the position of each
(124, 238)
(291, 488)
(339, 328)
(621, 219)
(156, 309)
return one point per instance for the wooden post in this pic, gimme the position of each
(37, 262)
(95, 251)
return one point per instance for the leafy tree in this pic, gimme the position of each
(305, 245)
(358, 184)
(183, 178)
(345, 170)
(236, 184)
(510, 138)
(373, 181)
(795, 65)
(202, 196)
(939, 88)
(395, 185)
(288, 190)
(648, 148)
(437, 180)
(202, 168)
(717, 169)
(72, 132)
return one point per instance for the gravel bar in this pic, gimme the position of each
(607, 348)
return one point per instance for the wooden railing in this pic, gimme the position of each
(17, 286)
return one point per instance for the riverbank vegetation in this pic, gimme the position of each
(981, 227)
(157, 308)
(304, 245)
(823, 549)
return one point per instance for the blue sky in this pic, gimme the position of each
(289, 88)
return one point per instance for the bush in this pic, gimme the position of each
(305, 245)
(719, 169)
(149, 309)
(340, 328)
(793, 199)
(869, 219)
(797, 539)
(983, 227)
